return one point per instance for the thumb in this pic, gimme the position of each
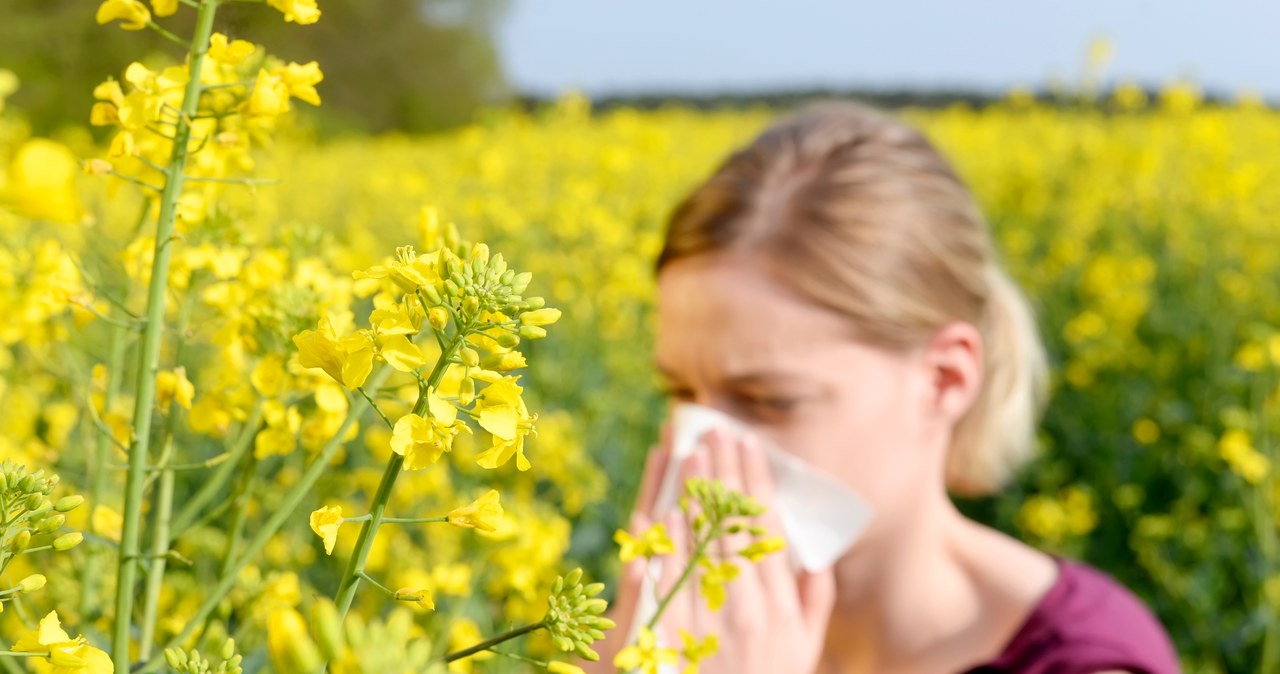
(817, 598)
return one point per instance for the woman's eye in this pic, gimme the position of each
(774, 403)
(678, 393)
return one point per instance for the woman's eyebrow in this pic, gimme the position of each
(764, 377)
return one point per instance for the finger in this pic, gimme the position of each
(632, 577)
(817, 598)
(677, 614)
(655, 466)
(725, 451)
(775, 571)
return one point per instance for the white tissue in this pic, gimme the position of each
(821, 518)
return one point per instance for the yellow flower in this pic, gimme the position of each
(289, 646)
(107, 522)
(645, 654)
(164, 7)
(417, 596)
(421, 441)
(132, 14)
(502, 412)
(232, 52)
(270, 96)
(757, 550)
(400, 353)
(409, 271)
(41, 182)
(696, 651)
(173, 385)
(301, 80)
(556, 667)
(1236, 448)
(655, 541)
(299, 11)
(484, 514)
(714, 577)
(8, 85)
(67, 655)
(326, 522)
(349, 360)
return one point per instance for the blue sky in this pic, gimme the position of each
(630, 46)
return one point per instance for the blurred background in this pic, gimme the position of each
(1124, 153)
(428, 65)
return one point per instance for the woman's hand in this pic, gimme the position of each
(623, 608)
(773, 620)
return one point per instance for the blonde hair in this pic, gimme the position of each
(861, 214)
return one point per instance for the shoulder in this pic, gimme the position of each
(1088, 624)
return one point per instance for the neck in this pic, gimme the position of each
(906, 594)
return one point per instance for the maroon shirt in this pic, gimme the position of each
(1086, 623)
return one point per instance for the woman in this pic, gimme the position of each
(834, 286)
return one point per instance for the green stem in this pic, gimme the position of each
(399, 520)
(190, 513)
(374, 405)
(101, 455)
(239, 514)
(239, 505)
(369, 530)
(486, 645)
(684, 577)
(155, 574)
(364, 543)
(167, 35)
(164, 498)
(369, 579)
(130, 535)
(273, 524)
(520, 658)
(232, 181)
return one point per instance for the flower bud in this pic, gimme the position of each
(532, 332)
(521, 282)
(540, 317)
(466, 391)
(536, 302)
(228, 649)
(177, 659)
(31, 583)
(469, 356)
(20, 541)
(67, 541)
(507, 340)
(480, 254)
(438, 317)
(68, 503)
(432, 294)
(471, 305)
(51, 524)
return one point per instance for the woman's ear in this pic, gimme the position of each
(954, 359)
